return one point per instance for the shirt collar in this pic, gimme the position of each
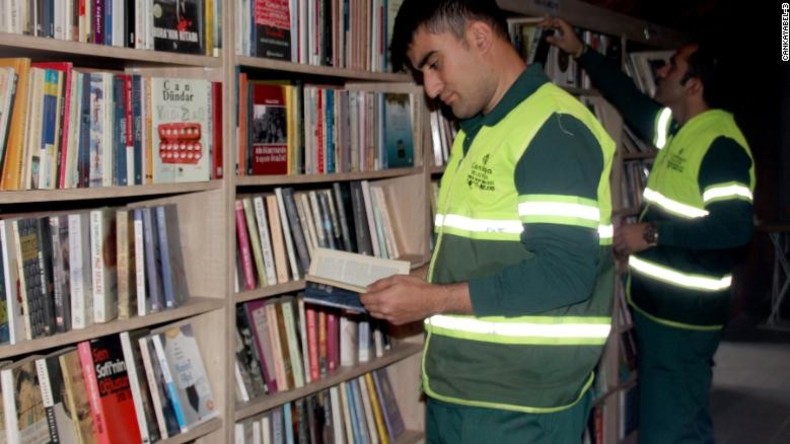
(525, 85)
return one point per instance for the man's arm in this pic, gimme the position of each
(639, 110)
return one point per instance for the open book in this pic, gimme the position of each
(336, 278)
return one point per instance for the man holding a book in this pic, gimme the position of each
(518, 294)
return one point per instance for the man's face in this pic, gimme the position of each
(670, 88)
(451, 71)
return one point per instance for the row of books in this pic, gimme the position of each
(63, 126)
(360, 410)
(443, 132)
(352, 34)
(68, 271)
(285, 343)
(277, 233)
(185, 26)
(635, 174)
(138, 386)
(530, 40)
(293, 129)
(643, 67)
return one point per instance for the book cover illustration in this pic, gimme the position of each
(272, 29)
(268, 130)
(23, 406)
(189, 374)
(179, 26)
(398, 134)
(181, 115)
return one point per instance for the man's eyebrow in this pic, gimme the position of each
(424, 59)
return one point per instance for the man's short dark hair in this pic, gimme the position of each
(704, 64)
(440, 16)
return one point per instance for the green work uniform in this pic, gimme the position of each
(699, 194)
(524, 216)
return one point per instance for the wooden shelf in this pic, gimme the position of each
(268, 402)
(193, 307)
(270, 291)
(209, 426)
(71, 194)
(317, 70)
(251, 181)
(40, 48)
(639, 156)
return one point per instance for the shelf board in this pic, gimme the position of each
(69, 194)
(267, 292)
(625, 212)
(201, 430)
(437, 170)
(268, 402)
(251, 181)
(40, 48)
(193, 307)
(324, 71)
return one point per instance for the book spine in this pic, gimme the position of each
(92, 385)
(47, 398)
(134, 382)
(245, 251)
(170, 383)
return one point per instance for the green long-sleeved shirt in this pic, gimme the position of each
(563, 158)
(708, 245)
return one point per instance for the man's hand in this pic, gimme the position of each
(400, 299)
(566, 38)
(628, 239)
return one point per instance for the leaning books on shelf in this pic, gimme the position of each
(362, 409)
(188, 386)
(337, 278)
(66, 126)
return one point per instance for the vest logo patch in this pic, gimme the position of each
(480, 176)
(677, 161)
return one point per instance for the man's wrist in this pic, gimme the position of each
(650, 234)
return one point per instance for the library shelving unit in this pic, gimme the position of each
(200, 206)
(207, 222)
(612, 417)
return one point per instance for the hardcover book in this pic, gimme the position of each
(272, 22)
(179, 26)
(268, 129)
(397, 129)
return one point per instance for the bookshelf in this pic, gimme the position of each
(614, 383)
(207, 228)
(206, 208)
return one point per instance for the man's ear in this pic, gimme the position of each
(480, 35)
(694, 86)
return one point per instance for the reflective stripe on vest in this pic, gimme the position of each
(490, 229)
(546, 330)
(673, 206)
(662, 126)
(731, 190)
(558, 209)
(678, 278)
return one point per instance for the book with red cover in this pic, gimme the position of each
(112, 404)
(268, 131)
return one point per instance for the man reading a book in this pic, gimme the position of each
(696, 216)
(517, 298)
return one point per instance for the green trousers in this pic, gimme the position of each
(675, 372)
(457, 424)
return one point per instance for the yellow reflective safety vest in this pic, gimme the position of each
(537, 363)
(673, 188)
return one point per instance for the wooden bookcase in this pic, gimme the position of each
(206, 210)
(207, 224)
